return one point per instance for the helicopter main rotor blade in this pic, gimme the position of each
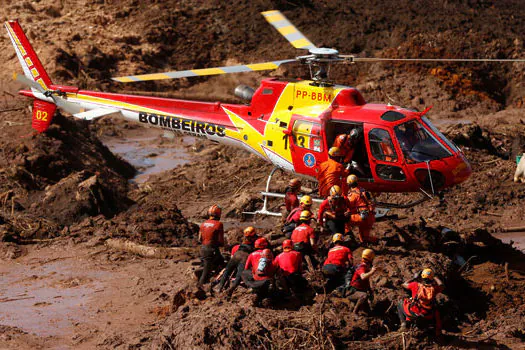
(288, 30)
(204, 71)
(381, 59)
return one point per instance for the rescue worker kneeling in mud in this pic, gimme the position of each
(292, 221)
(358, 288)
(337, 263)
(289, 267)
(361, 210)
(237, 261)
(422, 305)
(332, 212)
(303, 238)
(211, 235)
(259, 270)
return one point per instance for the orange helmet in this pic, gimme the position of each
(249, 231)
(215, 211)
(287, 245)
(261, 243)
(295, 183)
(368, 254)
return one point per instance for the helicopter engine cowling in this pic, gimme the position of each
(244, 92)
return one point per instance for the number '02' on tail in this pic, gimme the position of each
(43, 111)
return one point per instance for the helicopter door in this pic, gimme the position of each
(306, 146)
(385, 164)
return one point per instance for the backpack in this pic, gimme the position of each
(263, 265)
(425, 297)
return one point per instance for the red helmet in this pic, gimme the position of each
(261, 243)
(215, 211)
(295, 183)
(267, 253)
(287, 245)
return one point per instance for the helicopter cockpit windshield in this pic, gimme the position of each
(419, 145)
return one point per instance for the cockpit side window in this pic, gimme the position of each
(417, 144)
(381, 145)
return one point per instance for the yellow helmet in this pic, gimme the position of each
(306, 200)
(335, 190)
(337, 238)
(427, 274)
(351, 180)
(305, 215)
(368, 254)
(249, 231)
(334, 152)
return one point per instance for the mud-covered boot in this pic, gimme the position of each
(403, 327)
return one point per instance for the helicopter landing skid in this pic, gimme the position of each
(424, 197)
(264, 210)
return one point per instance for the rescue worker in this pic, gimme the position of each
(332, 211)
(331, 173)
(291, 199)
(259, 270)
(347, 144)
(360, 290)
(422, 304)
(289, 265)
(237, 261)
(337, 262)
(292, 221)
(361, 210)
(211, 235)
(303, 237)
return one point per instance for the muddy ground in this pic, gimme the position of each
(64, 194)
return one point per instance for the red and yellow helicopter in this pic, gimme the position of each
(291, 124)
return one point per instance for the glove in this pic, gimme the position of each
(363, 215)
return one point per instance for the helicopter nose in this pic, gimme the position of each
(461, 171)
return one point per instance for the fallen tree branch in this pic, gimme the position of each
(148, 251)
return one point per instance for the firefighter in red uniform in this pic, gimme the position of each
(422, 304)
(238, 259)
(259, 270)
(303, 237)
(331, 173)
(292, 221)
(211, 235)
(337, 262)
(360, 290)
(361, 210)
(291, 198)
(332, 212)
(289, 265)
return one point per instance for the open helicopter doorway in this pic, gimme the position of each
(335, 128)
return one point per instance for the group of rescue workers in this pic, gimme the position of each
(346, 205)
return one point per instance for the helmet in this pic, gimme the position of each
(334, 152)
(215, 211)
(351, 180)
(355, 135)
(427, 274)
(287, 245)
(249, 231)
(294, 183)
(335, 190)
(337, 238)
(261, 243)
(266, 253)
(368, 254)
(306, 200)
(305, 215)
